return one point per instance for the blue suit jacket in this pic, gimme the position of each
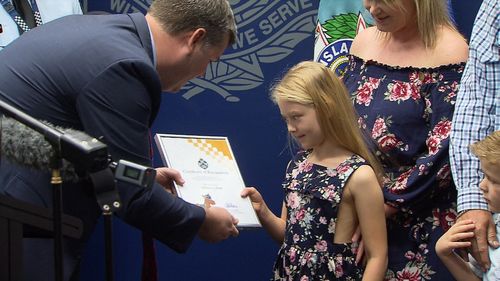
(96, 74)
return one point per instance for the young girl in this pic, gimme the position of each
(331, 186)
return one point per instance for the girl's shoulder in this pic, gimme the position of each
(363, 186)
(364, 177)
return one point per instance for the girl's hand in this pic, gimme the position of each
(457, 237)
(255, 197)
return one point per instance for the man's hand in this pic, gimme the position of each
(484, 234)
(219, 224)
(167, 176)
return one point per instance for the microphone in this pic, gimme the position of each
(26, 147)
(29, 148)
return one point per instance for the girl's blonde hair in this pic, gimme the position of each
(431, 15)
(314, 84)
(488, 149)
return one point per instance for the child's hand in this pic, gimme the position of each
(257, 200)
(455, 238)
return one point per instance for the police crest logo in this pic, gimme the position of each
(338, 23)
(202, 163)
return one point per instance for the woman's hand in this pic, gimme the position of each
(358, 246)
(389, 210)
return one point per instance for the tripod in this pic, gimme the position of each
(91, 156)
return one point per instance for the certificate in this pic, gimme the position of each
(210, 171)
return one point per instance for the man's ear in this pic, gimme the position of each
(197, 36)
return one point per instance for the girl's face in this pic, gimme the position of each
(302, 123)
(490, 185)
(391, 18)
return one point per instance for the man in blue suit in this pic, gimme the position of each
(103, 74)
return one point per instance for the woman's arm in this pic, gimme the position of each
(369, 204)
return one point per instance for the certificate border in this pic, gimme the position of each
(164, 156)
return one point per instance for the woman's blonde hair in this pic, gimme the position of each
(314, 84)
(488, 149)
(431, 15)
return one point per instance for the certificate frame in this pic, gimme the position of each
(210, 170)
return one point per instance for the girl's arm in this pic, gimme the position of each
(274, 225)
(456, 238)
(369, 204)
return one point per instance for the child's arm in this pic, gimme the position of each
(274, 225)
(369, 204)
(454, 239)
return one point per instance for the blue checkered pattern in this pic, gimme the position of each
(476, 112)
(21, 23)
(38, 18)
(9, 7)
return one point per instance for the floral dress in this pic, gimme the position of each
(312, 197)
(407, 112)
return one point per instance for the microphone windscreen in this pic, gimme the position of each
(26, 147)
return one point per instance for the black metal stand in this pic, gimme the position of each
(104, 188)
(108, 245)
(15, 214)
(57, 211)
(85, 152)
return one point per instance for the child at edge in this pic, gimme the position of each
(488, 152)
(331, 186)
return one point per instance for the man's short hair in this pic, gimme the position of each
(215, 16)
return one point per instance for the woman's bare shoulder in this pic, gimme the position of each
(451, 47)
(363, 40)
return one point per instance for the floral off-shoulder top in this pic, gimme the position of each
(407, 113)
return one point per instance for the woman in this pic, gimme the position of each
(403, 76)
